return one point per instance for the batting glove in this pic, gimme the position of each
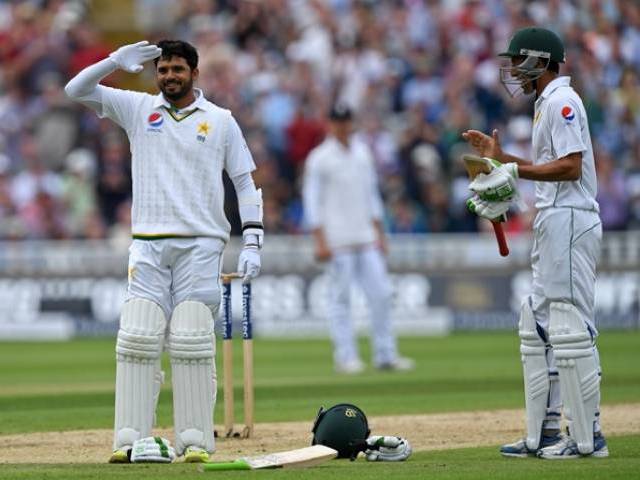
(498, 186)
(249, 263)
(387, 449)
(494, 211)
(152, 450)
(131, 57)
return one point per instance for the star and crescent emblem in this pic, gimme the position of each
(203, 128)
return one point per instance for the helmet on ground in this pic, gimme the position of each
(342, 427)
(538, 47)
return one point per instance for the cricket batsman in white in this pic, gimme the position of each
(560, 360)
(180, 143)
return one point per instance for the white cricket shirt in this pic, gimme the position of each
(177, 162)
(560, 127)
(340, 192)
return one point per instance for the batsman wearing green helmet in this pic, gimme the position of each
(560, 360)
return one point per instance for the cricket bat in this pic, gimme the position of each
(300, 458)
(474, 166)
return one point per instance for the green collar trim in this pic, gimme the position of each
(176, 117)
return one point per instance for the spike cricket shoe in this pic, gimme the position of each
(568, 449)
(352, 367)
(399, 364)
(519, 449)
(121, 455)
(196, 455)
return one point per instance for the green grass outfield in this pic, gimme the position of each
(468, 463)
(68, 386)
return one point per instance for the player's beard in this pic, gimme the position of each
(175, 93)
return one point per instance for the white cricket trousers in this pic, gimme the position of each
(172, 270)
(564, 257)
(366, 265)
(565, 253)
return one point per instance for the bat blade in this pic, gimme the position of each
(475, 165)
(299, 458)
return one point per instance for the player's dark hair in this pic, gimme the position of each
(178, 48)
(553, 67)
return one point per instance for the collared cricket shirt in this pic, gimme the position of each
(177, 162)
(560, 128)
(341, 192)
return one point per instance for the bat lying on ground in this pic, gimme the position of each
(474, 166)
(302, 457)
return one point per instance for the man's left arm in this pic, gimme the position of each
(250, 207)
(239, 165)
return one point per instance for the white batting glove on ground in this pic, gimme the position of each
(498, 186)
(494, 211)
(387, 449)
(152, 450)
(249, 263)
(131, 57)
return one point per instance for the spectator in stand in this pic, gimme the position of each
(304, 133)
(114, 177)
(612, 193)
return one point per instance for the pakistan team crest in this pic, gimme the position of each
(203, 131)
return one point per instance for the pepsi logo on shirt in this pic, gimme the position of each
(567, 113)
(154, 122)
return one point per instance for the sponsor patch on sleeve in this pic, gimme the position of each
(568, 113)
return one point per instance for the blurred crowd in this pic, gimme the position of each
(417, 72)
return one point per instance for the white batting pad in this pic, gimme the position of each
(578, 372)
(536, 375)
(158, 380)
(138, 349)
(192, 351)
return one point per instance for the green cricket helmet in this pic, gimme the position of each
(537, 47)
(343, 427)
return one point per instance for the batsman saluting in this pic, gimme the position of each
(557, 331)
(180, 143)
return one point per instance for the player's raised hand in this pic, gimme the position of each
(131, 57)
(485, 145)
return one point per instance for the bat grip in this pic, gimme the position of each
(500, 237)
(238, 464)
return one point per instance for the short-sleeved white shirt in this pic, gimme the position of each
(177, 162)
(340, 192)
(560, 128)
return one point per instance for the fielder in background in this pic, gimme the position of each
(180, 143)
(556, 328)
(344, 210)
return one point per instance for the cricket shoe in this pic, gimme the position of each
(352, 367)
(121, 455)
(568, 449)
(196, 455)
(399, 364)
(519, 449)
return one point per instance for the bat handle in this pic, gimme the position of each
(500, 237)
(238, 464)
